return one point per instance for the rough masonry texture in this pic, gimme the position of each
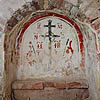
(81, 81)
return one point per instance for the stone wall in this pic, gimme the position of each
(86, 12)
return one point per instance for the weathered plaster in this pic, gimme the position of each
(84, 10)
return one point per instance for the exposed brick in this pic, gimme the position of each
(74, 85)
(12, 22)
(36, 5)
(77, 85)
(37, 86)
(49, 84)
(27, 85)
(60, 85)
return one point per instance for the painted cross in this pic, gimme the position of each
(50, 31)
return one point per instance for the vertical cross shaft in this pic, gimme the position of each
(49, 29)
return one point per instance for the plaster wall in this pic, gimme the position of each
(87, 12)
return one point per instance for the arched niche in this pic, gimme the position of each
(33, 51)
(45, 46)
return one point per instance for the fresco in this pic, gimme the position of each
(49, 46)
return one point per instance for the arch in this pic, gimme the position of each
(17, 33)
